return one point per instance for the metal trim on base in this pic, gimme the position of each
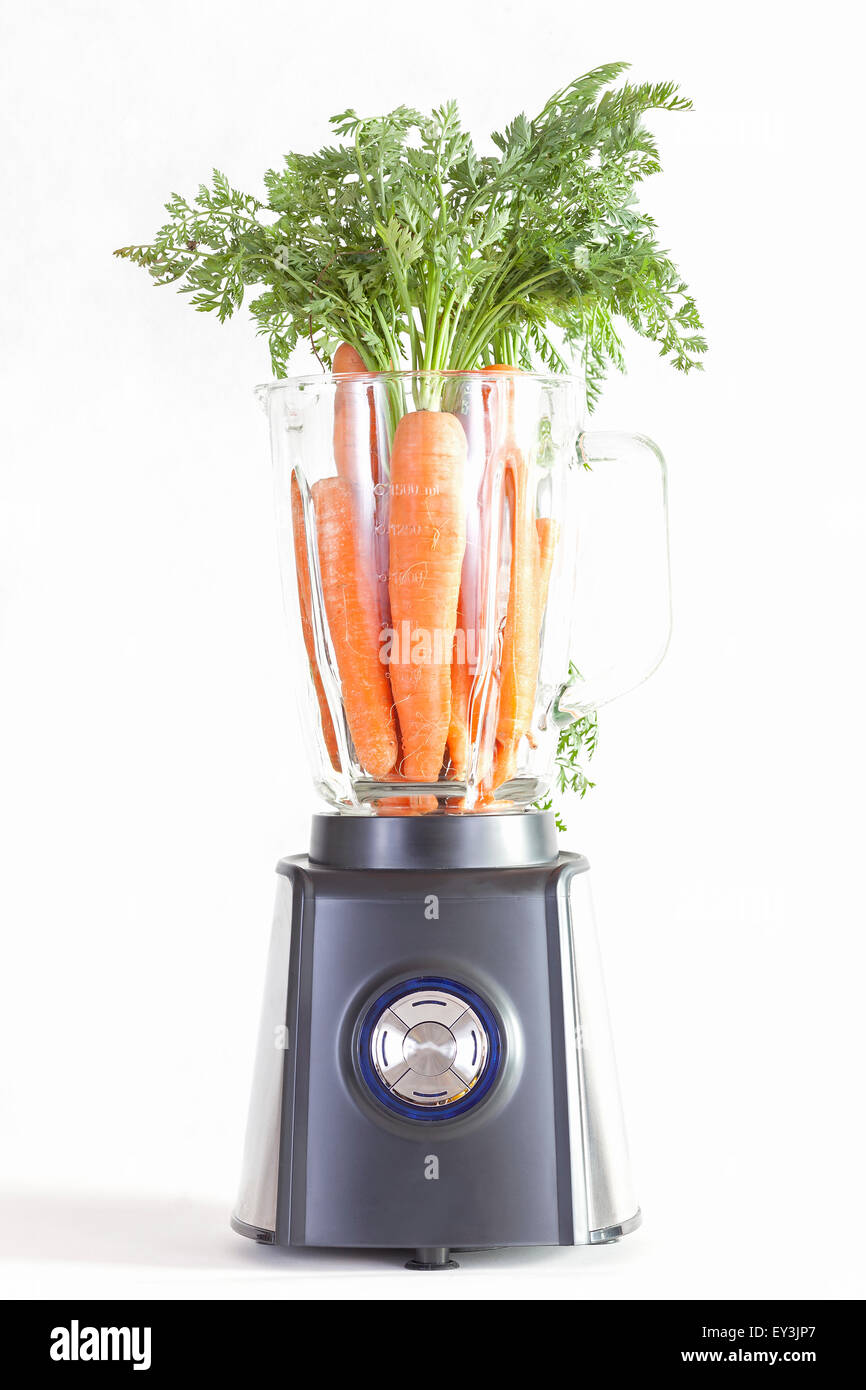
(484, 841)
(256, 1233)
(609, 1235)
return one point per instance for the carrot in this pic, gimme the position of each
(501, 427)
(353, 622)
(356, 452)
(406, 805)
(469, 637)
(356, 441)
(532, 547)
(428, 537)
(302, 570)
(505, 765)
(519, 666)
(461, 681)
(347, 360)
(548, 535)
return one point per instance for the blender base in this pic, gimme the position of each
(435, 1069)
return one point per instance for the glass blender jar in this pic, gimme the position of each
(465, 572)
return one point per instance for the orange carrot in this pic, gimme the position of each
(356, 443)
(519, 667)
(532, 547)
(461, 682)
(469, 637)
(353, 622)
(302, 570)
(502, 411)
(406, 805)
(524, 689)
(356, 452)
(548, 535)
(348, 360)
(428, 536)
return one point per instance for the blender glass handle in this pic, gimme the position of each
(621, 617)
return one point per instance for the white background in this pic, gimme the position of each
(152, 771)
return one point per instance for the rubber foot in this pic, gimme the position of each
(432, 1257)
(421, 1264)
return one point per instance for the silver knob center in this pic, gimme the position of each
(429, 1048)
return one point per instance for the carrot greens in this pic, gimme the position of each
(576, 746)
(403, 241)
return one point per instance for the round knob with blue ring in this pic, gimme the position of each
(429, 1048)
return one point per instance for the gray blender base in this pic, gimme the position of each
(494, 1120)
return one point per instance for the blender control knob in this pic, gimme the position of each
(429, 1049)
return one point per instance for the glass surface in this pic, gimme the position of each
(454, 552)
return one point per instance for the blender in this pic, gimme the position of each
(467, 573)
